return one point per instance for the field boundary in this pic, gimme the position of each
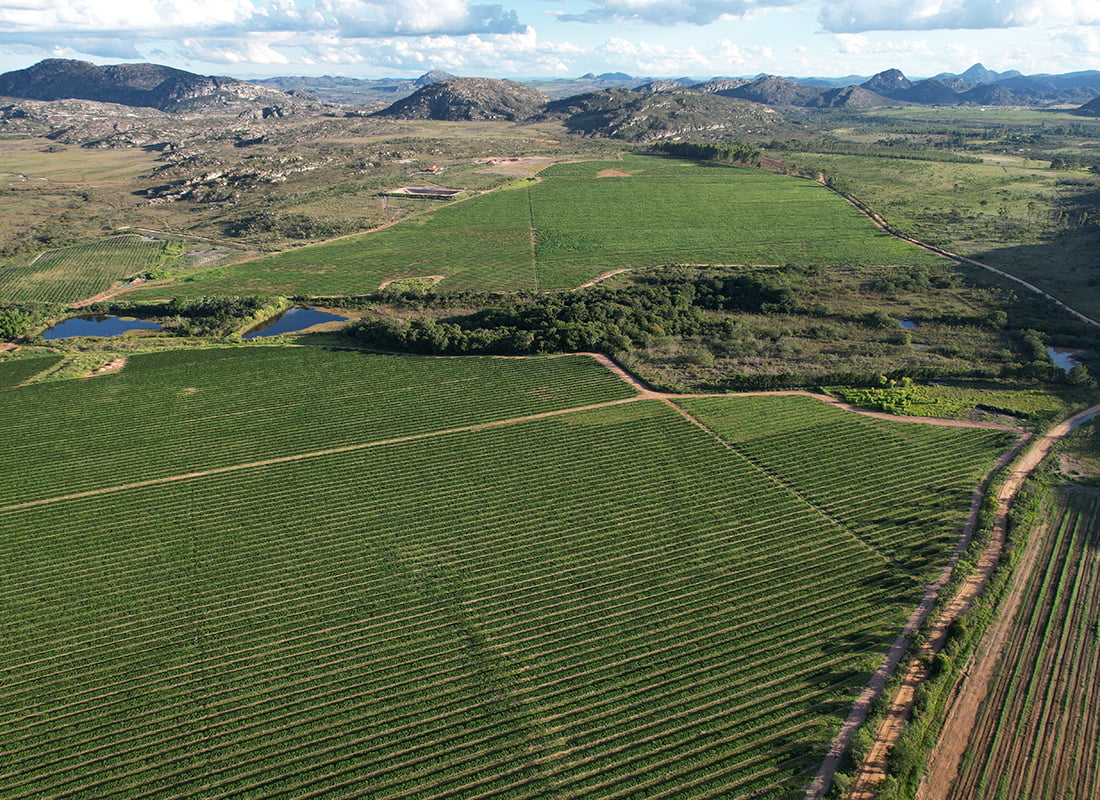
(643, 393)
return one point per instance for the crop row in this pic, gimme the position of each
(15, 371)
(74, 273)
(903, 489)
(1035, 734)
(587, 651)
(582, 226)
(599, 604)
(191, 410)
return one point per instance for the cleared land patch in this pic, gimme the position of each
(602, 603)
(572, 226)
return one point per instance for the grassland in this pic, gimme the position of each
(573, 225)
(376, 596)
(1013, 211)
(966, 400)
(69, 274)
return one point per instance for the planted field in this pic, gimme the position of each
(75, 273)
(668, 211)
(461, 601)
(14, 371)
(1037, 734)
(581, 220)
(190, 410)
(900, 489)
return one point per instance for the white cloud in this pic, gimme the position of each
(856, 16)
(851, 43)
(672, 12)
(470, 54)
(1087, 12)
(414, 17)
(352, 18)
(269, 31)
(250, 50)
(723, 57)
(89, 16)
(1077, 41)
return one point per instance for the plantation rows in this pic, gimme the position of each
(481, 243)
(575, 226)
(608, 603)
(708, 214)
(901, 489)
(1037, 734)
(14, 371)
(74, 273)
(175, 412)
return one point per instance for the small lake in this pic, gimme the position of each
(293, 320)
(1062, 358)
(100, 325)
(908, 324)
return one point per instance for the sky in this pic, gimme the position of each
(558, 38)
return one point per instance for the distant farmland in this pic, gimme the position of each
(69, 274)
(578, 222)
(284, 572)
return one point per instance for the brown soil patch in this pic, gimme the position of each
(604, 277)
(107, 295)
(113, 365)
(426, 191)
(613, 173)
(522, 167)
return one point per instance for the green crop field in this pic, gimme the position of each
(897, 488)
(14, 371)
(308, 573)
(71, 274)
(577, 222)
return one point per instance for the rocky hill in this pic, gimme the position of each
(468, 99)
(376, 93)
(980, 86)
(775, 91)
(1089, 109)
(138, 85)
(650, 116)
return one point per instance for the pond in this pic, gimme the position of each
(908, 324)
(293, 320)
(99, 325)
(1062, 358)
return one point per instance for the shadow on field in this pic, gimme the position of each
(1065, 266)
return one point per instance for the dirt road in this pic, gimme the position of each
(945, 759)
(874, 767)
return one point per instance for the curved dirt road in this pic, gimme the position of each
(874, 765)
(945, 759)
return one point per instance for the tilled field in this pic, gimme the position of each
(1037, 735)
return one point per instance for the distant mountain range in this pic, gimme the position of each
(138, 85)
(611, 104)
